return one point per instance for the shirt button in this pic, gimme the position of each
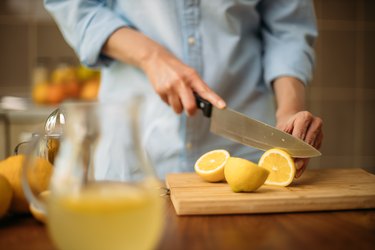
(189, 145)
(191, 40)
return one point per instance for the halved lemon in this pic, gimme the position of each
(210, 166)
(243, 175)
(280, 165)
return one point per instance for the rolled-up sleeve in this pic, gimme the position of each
(288, 32)
(86, 26)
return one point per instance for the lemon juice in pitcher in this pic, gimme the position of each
(106, 215)
(103, 191)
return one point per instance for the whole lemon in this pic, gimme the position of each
(38, 177)
(243, 175)
(6, 195)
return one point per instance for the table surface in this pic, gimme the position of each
(308, 230)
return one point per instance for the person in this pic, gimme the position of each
(241, 54)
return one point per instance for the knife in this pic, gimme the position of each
(250, 132)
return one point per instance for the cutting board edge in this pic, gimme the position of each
(192, 176)
(185, 208)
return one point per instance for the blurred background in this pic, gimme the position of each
(38, 70)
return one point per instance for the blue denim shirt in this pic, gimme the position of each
(238, 48)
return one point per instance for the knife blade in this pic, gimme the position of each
(235, 126)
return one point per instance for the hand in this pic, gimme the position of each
(305, 126)
(175, 82)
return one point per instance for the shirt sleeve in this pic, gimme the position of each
(288, 31)
(86, 25)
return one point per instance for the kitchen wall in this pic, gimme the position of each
(28, 36)
(343, 89)
(342, 92)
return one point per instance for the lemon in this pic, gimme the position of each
(280, 165)
(39, 176)
(6, 195)
(243, 175)
(210, 166)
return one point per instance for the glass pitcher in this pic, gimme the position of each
(104, 193)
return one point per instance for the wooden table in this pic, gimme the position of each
(315, 230)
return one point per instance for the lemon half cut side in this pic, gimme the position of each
(280, 165)
(210, 166)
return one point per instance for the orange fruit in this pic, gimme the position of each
(72, 89)
(280, 165)
(40, 93)
(210, 166)
(90, 90)
(64, 74)
(56, 93)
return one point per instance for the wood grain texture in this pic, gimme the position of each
(317, 190)
(311, 230)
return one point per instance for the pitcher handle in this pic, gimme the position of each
(26, 167)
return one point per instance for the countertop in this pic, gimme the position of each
(310, 230)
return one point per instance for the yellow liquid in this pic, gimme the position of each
(106, 216)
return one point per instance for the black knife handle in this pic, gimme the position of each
(204, 105)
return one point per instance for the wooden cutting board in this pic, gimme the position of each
(316, 190)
